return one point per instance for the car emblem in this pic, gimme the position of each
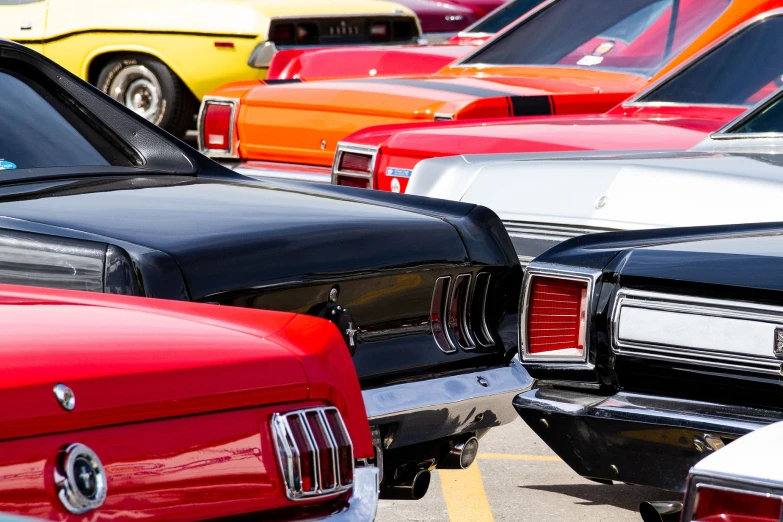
(65, 396)
(777, 348)
(80, 479)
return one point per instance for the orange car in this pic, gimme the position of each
(566, 57)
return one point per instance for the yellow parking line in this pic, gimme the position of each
(466, 499)
(505, 456)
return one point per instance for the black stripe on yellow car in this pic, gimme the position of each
(127, 31)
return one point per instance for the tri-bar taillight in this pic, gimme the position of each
(314, 451)
(458, 313)
(722, 504)
(354, 165)
(555, 315)
(216, 127)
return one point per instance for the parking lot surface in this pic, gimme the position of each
(519, 479)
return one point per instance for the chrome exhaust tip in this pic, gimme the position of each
(462, 455)
(414, 489)
(660, 511)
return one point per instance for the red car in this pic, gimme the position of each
(391, 60)
(677, 112)
(122, 408)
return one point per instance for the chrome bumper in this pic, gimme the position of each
(363, 502)
(639, 439)
(428, 410)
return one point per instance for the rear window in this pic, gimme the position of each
(636, 36)
(743, 70)
(42, 129)
(501, 17)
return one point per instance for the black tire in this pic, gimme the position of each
(175, 106)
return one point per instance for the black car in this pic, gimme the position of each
(93, 197)
(653, 349)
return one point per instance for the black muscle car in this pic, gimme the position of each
(653, 349)
(426, 293)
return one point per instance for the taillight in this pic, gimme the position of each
(314, 451)
(379, 31)
(718, 504)
(555, 316)
(282, 33)
(216, 127)
(354, 165)
(458, 312)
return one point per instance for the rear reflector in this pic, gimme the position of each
(725, 505)
(556, 317)
(216, 126)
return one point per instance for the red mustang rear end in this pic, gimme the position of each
(126, 409)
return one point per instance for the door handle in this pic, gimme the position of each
(26, 26)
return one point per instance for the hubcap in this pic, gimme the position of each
(137, 88)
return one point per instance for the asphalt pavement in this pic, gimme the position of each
(517, 478)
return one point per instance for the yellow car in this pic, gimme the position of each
(159, 57)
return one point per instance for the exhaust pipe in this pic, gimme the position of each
(461, 455)
(660, 511)
(413, 489)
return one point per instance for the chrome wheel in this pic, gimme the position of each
(138, 88)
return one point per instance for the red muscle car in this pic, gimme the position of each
(391, 60)
(677, 112)
(611, 50)
(122, 408)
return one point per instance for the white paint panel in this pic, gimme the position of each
(711, 334)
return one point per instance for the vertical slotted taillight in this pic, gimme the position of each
(354, 165)
(555, 316)
(216, 127)
(314, 451)
(720, 504)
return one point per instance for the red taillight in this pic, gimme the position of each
(380, 31)
(348, 181)
(283, 33)
(216, 126)
(353, 162)
(556, 317)
(314, 451)
(724, 505)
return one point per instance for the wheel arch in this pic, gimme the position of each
(99, 57)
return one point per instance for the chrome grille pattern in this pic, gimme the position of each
(549, 231)
(731, 335)
(458, 314)
(314, 451)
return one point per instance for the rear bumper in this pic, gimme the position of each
(425, 411)
(362, 504)
(288, 171)
(638, 439)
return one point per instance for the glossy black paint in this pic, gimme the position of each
(180, 226)
(736, 262)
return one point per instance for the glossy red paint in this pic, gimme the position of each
(436, 16)
(175, 398)
(623, 128)
(358, 62)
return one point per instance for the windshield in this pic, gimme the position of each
(745, 69)
(637, 36)
(40, 130)
(500, 18)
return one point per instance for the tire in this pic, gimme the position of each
(147, 86)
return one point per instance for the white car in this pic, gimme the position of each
(734, 176)
(741, 482)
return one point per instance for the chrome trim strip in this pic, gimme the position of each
(635, 101)
(343, 147)
(696, 330)
(560, 272)
(362, 506)
(262, 173)
(233, 143)
(431, 409)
